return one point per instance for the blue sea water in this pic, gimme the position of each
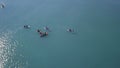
(94, 44)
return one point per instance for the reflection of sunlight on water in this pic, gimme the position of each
(7, 52)
(6, 49)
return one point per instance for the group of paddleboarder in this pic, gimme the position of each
(43, 34)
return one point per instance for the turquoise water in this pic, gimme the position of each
(95, 43)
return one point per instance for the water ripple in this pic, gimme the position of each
(7, 51)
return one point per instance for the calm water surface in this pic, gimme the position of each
(95, 43)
